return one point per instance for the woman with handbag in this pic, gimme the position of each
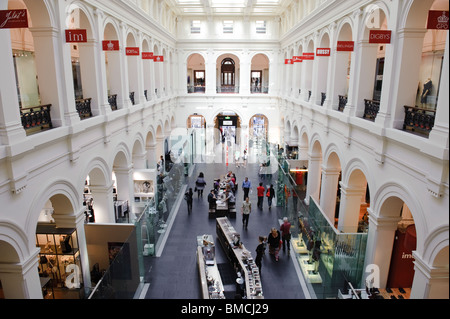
(274, 241)
(200, 184)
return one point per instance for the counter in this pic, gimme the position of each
(240, 258)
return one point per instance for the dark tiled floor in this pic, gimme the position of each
(174, 275)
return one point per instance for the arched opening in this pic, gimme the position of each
(307, 71)
(330, 192)
(59, 267)
(98, 197)
(150, 147)
(196, 129)
(196, 74)
(259, 74)
(158, 72)
(113, 69)
(342, 63)
(258, 129)
(321, 78)
(228, 70)
(122, 188)
(132, 64)
(146, 69)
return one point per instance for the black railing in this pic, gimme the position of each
(132, 97)
(309, 95)
(196, 89)
(83, 107)
(322, 99)
(112, 100)
(145, 94)
(418, 119)
(371, 108)
(342, 103)
(37, 116)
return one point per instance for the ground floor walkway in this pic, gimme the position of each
(174, 275)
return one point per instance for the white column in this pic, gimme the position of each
(245, 74)
(11, 129)
(21, 280)
(349, 208)
(124, 180)
(380, 242)
(328, 193)
(313, 182)
(103, 203)
(429, 282)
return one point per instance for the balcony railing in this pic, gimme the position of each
(322, 98)
(145, 94)
(83, 107)
(132, 97)
(112, 100)
(342, 103)
(371, 108)
(309, 95)
(227, 89)
(417, 119)
(259, 89)
(196, 89)
(36, 117)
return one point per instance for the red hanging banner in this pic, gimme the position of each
(11, 19)
(110, 45)
(147, 55)
(131, 51)
(380, 36)
(76, 35)
(323, 51)
(297, 58)
(288, 61)
(345, 46)
(437, 20)
(158, 58)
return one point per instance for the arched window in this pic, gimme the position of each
(227, 72)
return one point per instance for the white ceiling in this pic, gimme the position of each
(229, 7)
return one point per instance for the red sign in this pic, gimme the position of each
(147, 55)
(437, 20)
(76, 35)
(297, 58)
(158, 58)
(308, 56)
(380, 36)
(323, 51)
(110, 45)
(288, 61)
(345, 46)
(131, 51)
(10, 19)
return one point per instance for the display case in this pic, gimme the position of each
(59, 256)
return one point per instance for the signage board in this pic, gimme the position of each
(11, 19)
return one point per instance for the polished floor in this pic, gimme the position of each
(174, 275)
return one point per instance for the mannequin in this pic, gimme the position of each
(426, 91)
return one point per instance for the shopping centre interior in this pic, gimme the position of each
(111, 109)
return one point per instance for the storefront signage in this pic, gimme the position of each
(297, 58)
(323, 51)
(288, 61)
(131, 51)
(76, 35)
(11, 19)
(308, 56)
(147, 55)
(437, 20)
(158, 58)
(345, 46)
(380, 36)
(110, 45)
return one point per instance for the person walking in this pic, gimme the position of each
(200, 184)
(270, 195)
(260, 253)
(188, 196)
(260, 190)
(286, 234)
(274, 240)
(246, 186)
(245, 211)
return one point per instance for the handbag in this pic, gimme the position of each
(195, 189)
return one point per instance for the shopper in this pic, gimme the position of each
(160, 165)
(244, 157)
(270, 195)
(188, 196)
(260, 190)
(212, 199)
(231, 199)
(286, 234)
(274, 240)
(260, 253)
(246, 210)
(246, 186)
(200, 184)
